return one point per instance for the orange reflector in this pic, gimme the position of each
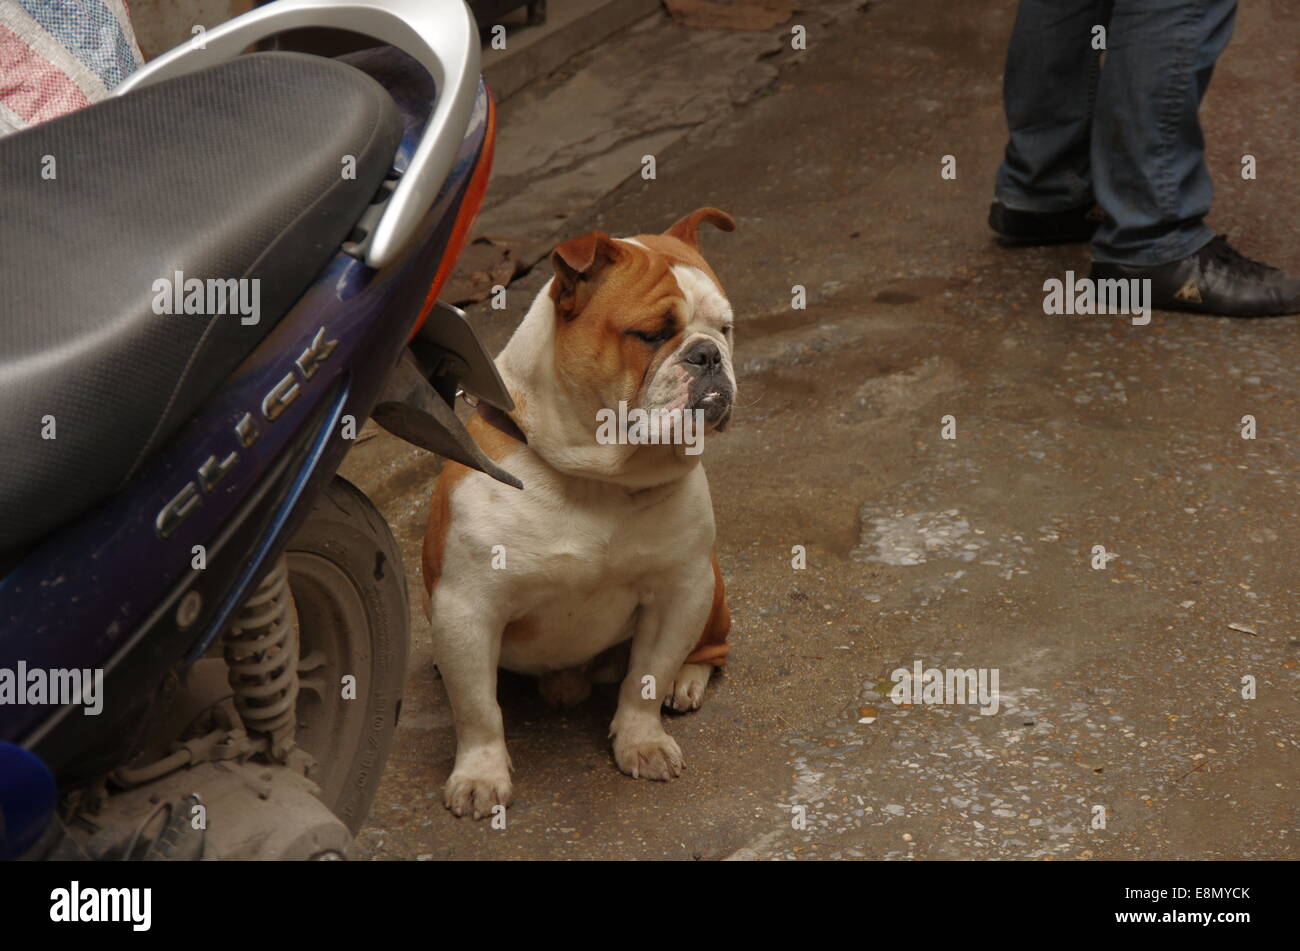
(469, 208)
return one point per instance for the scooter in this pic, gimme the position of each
(208, 283)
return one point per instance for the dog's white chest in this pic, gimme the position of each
(577, 576)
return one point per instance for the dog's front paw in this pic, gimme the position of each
(687, 691)
(649, 753)
(476, 786)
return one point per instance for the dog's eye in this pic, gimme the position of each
(726, 331)
(653, 336)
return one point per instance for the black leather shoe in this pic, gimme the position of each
(1054, 227)
(1215, 280)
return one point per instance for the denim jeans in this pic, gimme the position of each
(1121, 130)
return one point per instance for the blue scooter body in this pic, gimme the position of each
(118, 589)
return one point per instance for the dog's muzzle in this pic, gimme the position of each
(711, 390)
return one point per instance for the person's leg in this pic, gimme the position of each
(1148, 164)
(1048, 90)
(1148, 154)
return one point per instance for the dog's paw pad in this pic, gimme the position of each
(475, 796)
(659, 758)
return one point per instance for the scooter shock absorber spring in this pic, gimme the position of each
(261, 650)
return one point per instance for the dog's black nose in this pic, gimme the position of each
(704, 354)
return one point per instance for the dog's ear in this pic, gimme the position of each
(578, 263)
(688, 229)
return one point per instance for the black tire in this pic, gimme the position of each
(345, 572)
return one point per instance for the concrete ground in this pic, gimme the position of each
(1120, 688)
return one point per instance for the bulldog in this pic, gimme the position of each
(604, 563)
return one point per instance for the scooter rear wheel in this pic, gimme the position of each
(345, 572)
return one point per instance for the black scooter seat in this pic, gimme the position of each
(228, 182)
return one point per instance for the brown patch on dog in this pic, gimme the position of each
(435, 532)
(681, 243)
(712, 647)
(676, 251)
(687, 228)
(627, 288)
(579, 264)
(497, 446)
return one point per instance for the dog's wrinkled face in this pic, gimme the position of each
(645, 321)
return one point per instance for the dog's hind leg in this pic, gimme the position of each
(610, 666)
(565, 688)
(687, 691)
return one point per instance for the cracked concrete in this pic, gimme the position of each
(571, 139)
(1121, 693)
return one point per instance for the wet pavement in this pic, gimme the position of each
(1121, 729)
